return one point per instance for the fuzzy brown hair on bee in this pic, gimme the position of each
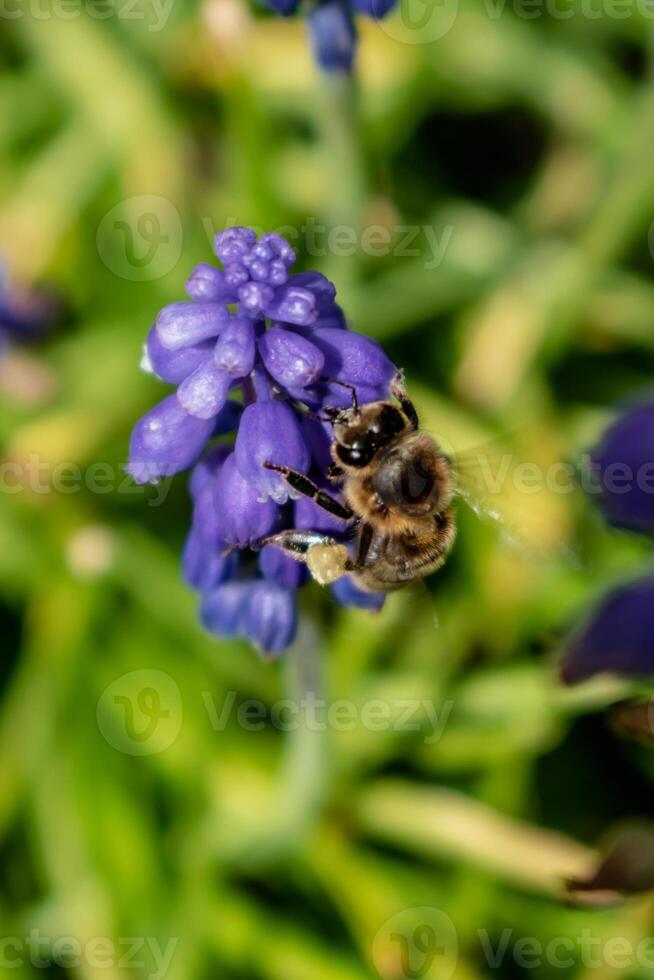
(397, 489)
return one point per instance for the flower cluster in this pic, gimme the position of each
(619, 637)
(332, 27)
(282, 341)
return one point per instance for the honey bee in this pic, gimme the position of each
(397, 487)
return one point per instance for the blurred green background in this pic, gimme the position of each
(139, 803)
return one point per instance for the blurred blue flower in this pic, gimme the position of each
(25, 315)
(280, 340)
(332, 27)
(624, 461)
(619, 637)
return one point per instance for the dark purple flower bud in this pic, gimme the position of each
(329, 312)
(203, 566)
(244, 518)
(253, 298)
(174, 365)
(625, 461)
(356, 360)
(235, 348)
(278, 567)
(270, 433)
(271, 617)
(233, 244)
(186, 324)
(333, 36)
(323, 290)
(223, 610)
(203, 393)
(347, 594)
(618, 639)
(165, 441)
(292, 304)
(290, 358)
(206, 284)
(377, 9)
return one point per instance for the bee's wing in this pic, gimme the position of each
(525, 487)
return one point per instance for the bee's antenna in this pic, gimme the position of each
(351, 388)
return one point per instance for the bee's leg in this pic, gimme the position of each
(305, 486)
(398, 390)
(326, 559)
(366, 535)
(350, 388)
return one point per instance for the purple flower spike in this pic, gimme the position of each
(619, 638)
(203, 393)
(206, 284)
(185, 324)
(288, 336)
(271, 617)
(165, 441)
(173, 365)
(333, 36)
(625, 460)
(235, 348)
(270, 433)
(291, 359)
(245, 520)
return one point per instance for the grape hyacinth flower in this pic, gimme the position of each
(619, 637)
(332, 28)
(278, 340)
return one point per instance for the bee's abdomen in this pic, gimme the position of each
(398, 559)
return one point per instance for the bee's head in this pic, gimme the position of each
(359, 433)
